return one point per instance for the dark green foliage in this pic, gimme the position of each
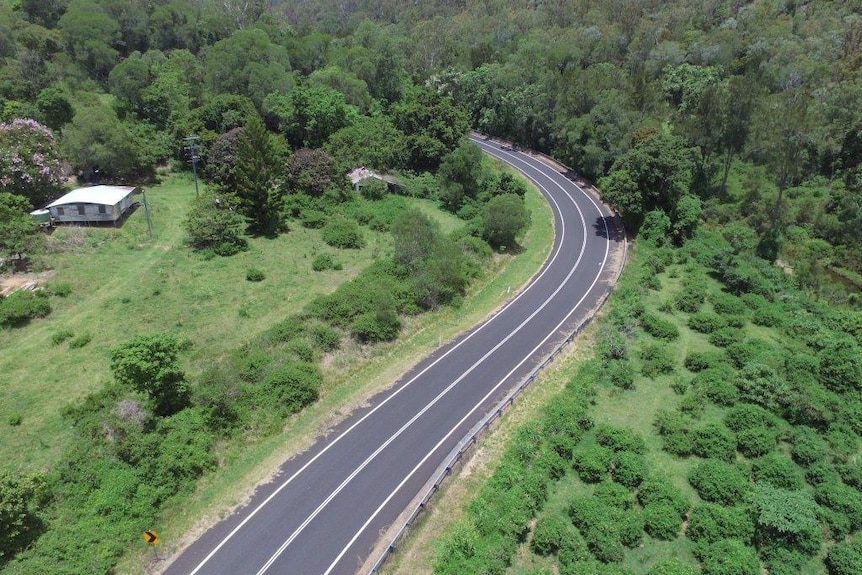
(150, 365)
(657, 359)
(322, 262)
(661, 521)
(787, 518)
(719, 481)
(607, 530)
(747, 416)
(700, 360)
(629, 469)
(503, 219)
(659, 327)
(659, 491)
(314, 219)
(21, 306)
(844, 501)
(292, 386)
(20, 498)
(845, 557)
(717, 384)
(843, 370)
(325, 338)
(782, 561)
(340, 232)
(725, 336)
(756, 441)
(212, 225)
(619, 373)
(380, 324)
(758, 383)
(808, 446)
(550, 533)
(709, 522)
(705, 322)
(729, 557)
(255, 275)
(592, 462)
(614, 495)
(564, 422)
(713, 441)
(60, 289)
(619, 439)
(256, 172)
(674, 429)
(769, 316)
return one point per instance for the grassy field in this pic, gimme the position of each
(124, 283)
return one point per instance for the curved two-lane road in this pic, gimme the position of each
(325, 510)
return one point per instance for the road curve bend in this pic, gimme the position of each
(326, 508)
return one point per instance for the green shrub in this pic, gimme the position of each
(782, 561)
(768, 316)
(697, 361)
(756, 441)
(285, 330)
(729, 557)
(15, 419)
(591, 462)
(705, 322)
(713, 441)
(759, 384)
(620, 374)
(845, 557)
(727, 304)
(725, 336)
(613, 495)
(629, 469)
(548, 534)
(60, 290)
(60, 336)
(659, 327)
(292, 386)
(322, 262)
(807, 446)
(657, 359)
(619, 439)
(80, 341)
(325, 338)
(371, 327)
(659, 491)
(340, 232)
(300, 349)
(254, 275)
(709, 522)
(717, 383)
(842, 499)
(661, 521)
(719, 481)
(746, 416)
(313, 219)
(21, 306)
(673, 427)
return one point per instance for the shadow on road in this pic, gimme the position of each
(610, 228)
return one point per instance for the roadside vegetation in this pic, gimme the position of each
(718, 424)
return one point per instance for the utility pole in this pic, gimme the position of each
(194, 152)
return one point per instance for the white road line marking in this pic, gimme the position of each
(484, 399)
(266, 501)
(274, 557)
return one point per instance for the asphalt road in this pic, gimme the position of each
(325, 510)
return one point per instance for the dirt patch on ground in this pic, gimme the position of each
(13, 282)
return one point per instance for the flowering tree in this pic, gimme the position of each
(29, 161)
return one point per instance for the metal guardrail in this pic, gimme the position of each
(472, 436)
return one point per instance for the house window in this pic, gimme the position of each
(102, 209)
(81, 210)
(61, 212)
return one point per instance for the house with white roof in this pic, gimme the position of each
(93, 204)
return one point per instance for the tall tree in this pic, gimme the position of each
(29, 161)
(16, 226)
(257, 179)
